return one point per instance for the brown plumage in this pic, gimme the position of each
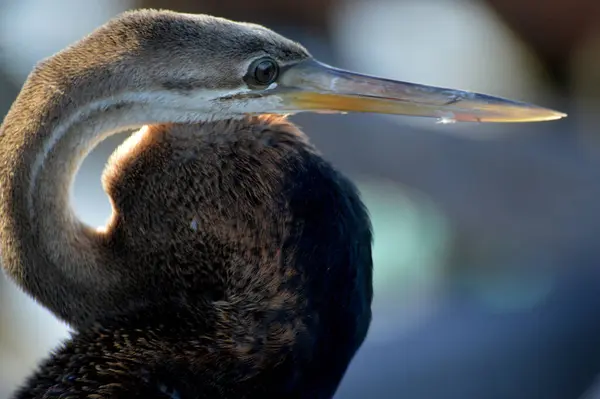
(235, 260)
(250, 267)
(45, 256)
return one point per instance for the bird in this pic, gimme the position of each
(236, 262)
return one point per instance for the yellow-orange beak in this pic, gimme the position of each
(313, 86)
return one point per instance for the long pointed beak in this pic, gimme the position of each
(313, 86)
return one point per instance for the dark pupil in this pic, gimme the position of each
(265, 72)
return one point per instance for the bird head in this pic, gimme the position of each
(230, 68)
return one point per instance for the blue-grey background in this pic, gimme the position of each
(486, 254)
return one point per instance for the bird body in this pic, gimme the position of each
(230, 235)
(237, 261)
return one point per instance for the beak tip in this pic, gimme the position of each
(551, 115)
(529, 113)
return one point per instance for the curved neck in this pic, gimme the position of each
(61, 262)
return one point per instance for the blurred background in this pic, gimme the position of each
(486, 236)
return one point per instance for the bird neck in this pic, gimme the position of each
(64, 264)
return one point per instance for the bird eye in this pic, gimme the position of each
(263, 72)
